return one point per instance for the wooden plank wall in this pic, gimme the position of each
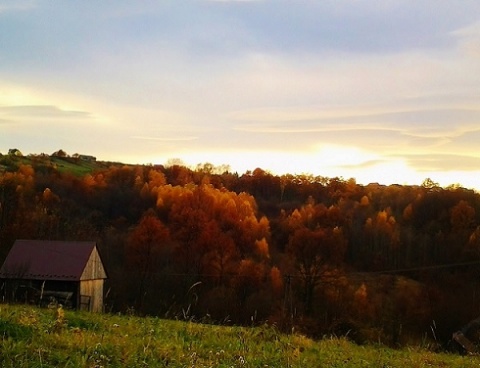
(94, 268)
(94, 289)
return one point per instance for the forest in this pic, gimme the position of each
(321, 256)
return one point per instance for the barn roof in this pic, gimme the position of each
(49, 260)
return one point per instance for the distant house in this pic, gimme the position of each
(88, 158)
(67, 272)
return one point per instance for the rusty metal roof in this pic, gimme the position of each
(47, 260)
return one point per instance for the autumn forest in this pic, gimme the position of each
(396, 264)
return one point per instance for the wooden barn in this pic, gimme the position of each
(42, 272)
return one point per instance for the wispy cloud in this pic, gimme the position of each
(165, 139)
(432, 123)
(17, 5)
(42, 111)
(469, 39)
(364, 165)
(232, 1)
(442, 162)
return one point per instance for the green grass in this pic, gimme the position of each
(70, 165)
(75, 167)
(32, 337)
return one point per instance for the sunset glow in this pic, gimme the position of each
(383, 93)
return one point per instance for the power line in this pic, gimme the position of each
(289, 276)
(451, 265)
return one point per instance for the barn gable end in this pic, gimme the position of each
(94, 267)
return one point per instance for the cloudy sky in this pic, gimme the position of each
(382, 91)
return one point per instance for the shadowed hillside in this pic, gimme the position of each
(395, 264)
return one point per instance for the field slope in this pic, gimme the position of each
(32, 337)
(74, 166)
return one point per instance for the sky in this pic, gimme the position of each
(383, 91)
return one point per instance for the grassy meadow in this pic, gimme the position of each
(33, 337)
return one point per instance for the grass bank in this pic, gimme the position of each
(32, 337)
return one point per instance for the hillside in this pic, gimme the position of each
(325, 256)
(78, 165)
(45, 338)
